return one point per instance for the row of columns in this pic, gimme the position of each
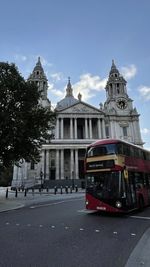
(74, 168)
(21, 174)
(73, 128)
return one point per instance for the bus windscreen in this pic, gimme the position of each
(102, 150)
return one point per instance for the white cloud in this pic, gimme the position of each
(44, 62)
(19, 57)
(145, 92)
(145, 131)
(32, 59)
(129, 72)
(87, 86)
(54, 91)
(57, 76)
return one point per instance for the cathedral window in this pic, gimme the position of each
(125, 133)
(37, 72)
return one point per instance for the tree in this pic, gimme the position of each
(24, 124)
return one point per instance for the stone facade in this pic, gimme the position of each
(79, 124)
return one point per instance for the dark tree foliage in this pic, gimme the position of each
(24, 124)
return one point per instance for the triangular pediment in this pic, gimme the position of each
(82, 108)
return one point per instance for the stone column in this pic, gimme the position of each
(71, 129)
(20, 175)
(15, 173)
(86, 129)
(62, 128)
(136, 131)
(90, 126)
(139, 131)
(111, 129)
(25, 170)
(103, 129)
(99, 128)
(57, 129)
(47, 165)
(76, 165)
(75, 127)
(57, 164)
(71, 163)
(62, 164)
(115, 130)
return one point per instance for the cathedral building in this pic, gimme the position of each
(78, 124)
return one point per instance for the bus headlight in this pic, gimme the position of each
(118, 204)
(86, 202)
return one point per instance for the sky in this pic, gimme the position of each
(79, 39)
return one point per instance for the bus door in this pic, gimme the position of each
(130, 189)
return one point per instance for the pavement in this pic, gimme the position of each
(140, 256)
(21, 199)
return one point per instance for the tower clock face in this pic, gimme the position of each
(121, 103)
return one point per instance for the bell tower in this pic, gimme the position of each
(38, 76)
(122, 119)
(116, 84)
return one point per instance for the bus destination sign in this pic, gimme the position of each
(100, 164)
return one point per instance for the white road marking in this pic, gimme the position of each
(140, 217)
(115, 233)
(67, 227)
(54, 203)
(133, 234)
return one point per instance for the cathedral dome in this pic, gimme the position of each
(68, 100)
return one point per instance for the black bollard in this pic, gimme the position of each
(7, 193)
(61, 191)
(25, 192)
(71, 189)
(47, 189)
(55, 190)
(32, 191)
(16, 193)
(76, 188)
(66, 189)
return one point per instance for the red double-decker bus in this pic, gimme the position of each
(117, 176)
